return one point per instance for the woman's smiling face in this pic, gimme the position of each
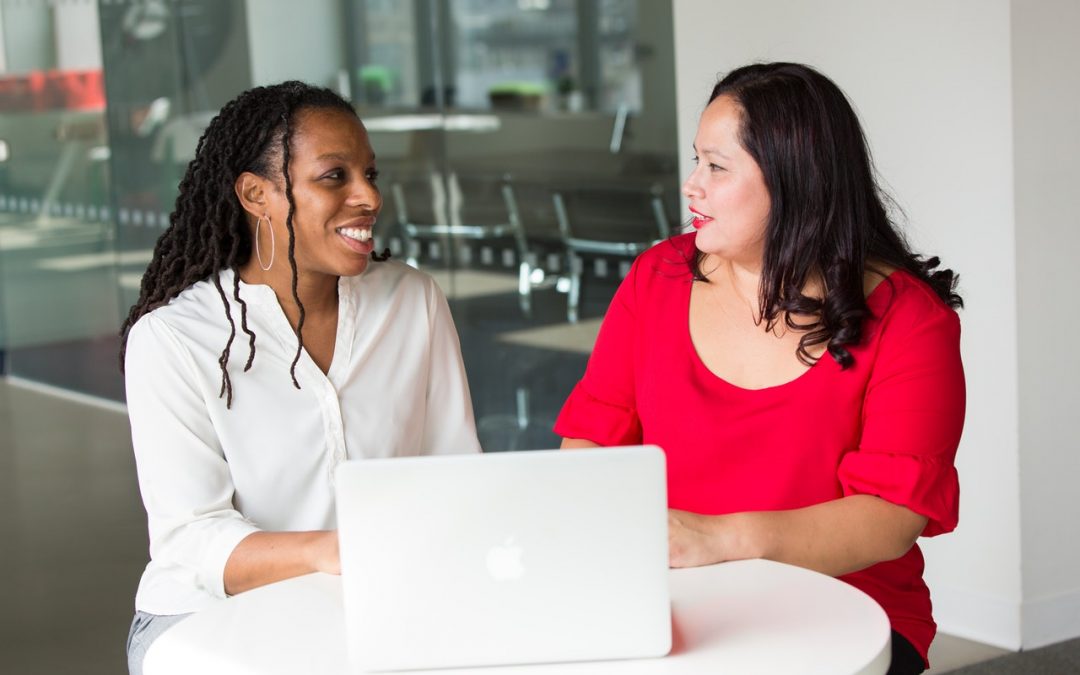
(332, 168)
(726, 190)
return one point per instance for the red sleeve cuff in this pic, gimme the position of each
(587, 417)
(925, 485)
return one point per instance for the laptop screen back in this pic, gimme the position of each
(506, 558)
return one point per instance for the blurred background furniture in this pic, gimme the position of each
(604, 223)
(458, 208)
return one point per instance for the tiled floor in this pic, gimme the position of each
(73, 540)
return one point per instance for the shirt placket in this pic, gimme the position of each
(333, 428)
(325, 392)
(334, 425)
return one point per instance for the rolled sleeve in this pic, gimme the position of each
(913, 416)
(184, 478)
(586, 416)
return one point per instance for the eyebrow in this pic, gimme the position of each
(711, 151)
(339, 157)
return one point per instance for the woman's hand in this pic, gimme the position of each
(688, 544)
(835, 537)
(325, 554)
(695, 539)
(265, 557)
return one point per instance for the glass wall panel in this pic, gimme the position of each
(506, 131)
(169, 66)
(549, 100)
(58, 310)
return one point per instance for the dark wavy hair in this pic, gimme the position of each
(827, 218)
(208, 230)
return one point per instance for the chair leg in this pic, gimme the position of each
(525, 288)
(522, 400)
(574, 296)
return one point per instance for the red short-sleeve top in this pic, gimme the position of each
(888, 425)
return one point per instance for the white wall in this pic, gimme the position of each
(281, 36)
(3, 48)
(1046, 106)
(78, 40)
(932, 84)
(28, 39)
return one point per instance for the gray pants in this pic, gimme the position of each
(145, 628)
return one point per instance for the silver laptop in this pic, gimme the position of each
(506, 558)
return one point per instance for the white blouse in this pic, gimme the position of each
(210, 476)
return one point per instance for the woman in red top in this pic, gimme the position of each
(797, 362)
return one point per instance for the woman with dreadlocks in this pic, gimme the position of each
(347, 355)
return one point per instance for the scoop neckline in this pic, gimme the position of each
(699, 363)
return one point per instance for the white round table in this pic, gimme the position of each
(751, 616)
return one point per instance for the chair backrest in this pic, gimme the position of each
(612, 214)
(419, 198)
(530, 206)
(477, 199)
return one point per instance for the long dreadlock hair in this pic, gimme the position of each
(208, 230)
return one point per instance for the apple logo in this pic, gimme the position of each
(504, 561)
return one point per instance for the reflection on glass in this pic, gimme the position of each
(169, 66)
(57, 275)
(387, 32)
(546, 54)
(480, 112)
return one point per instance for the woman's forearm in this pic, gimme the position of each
(265, 557)
(577, 444)
(835, 538)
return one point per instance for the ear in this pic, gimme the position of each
(252, 191)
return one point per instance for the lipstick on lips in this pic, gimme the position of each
(699, 220)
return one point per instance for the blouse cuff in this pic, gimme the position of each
(926, 485)
(212, 572)
(587, 417)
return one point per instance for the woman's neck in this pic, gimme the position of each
(317, 292)
(744, 279)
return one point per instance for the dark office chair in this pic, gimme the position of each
(529, 208)
(418, 199)
(606, 222)
(469, 206)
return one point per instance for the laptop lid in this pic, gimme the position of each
(505, 558)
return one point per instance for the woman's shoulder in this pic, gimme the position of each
(391, 281)
(195, 304)
(678, 249)
(669, 260)
(194, 321)
(901, 299)
(393, 272)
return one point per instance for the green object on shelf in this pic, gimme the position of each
(518, 88)
(516, 95)
(376, 82)
(379, 76)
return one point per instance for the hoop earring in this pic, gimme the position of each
(273, 243)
